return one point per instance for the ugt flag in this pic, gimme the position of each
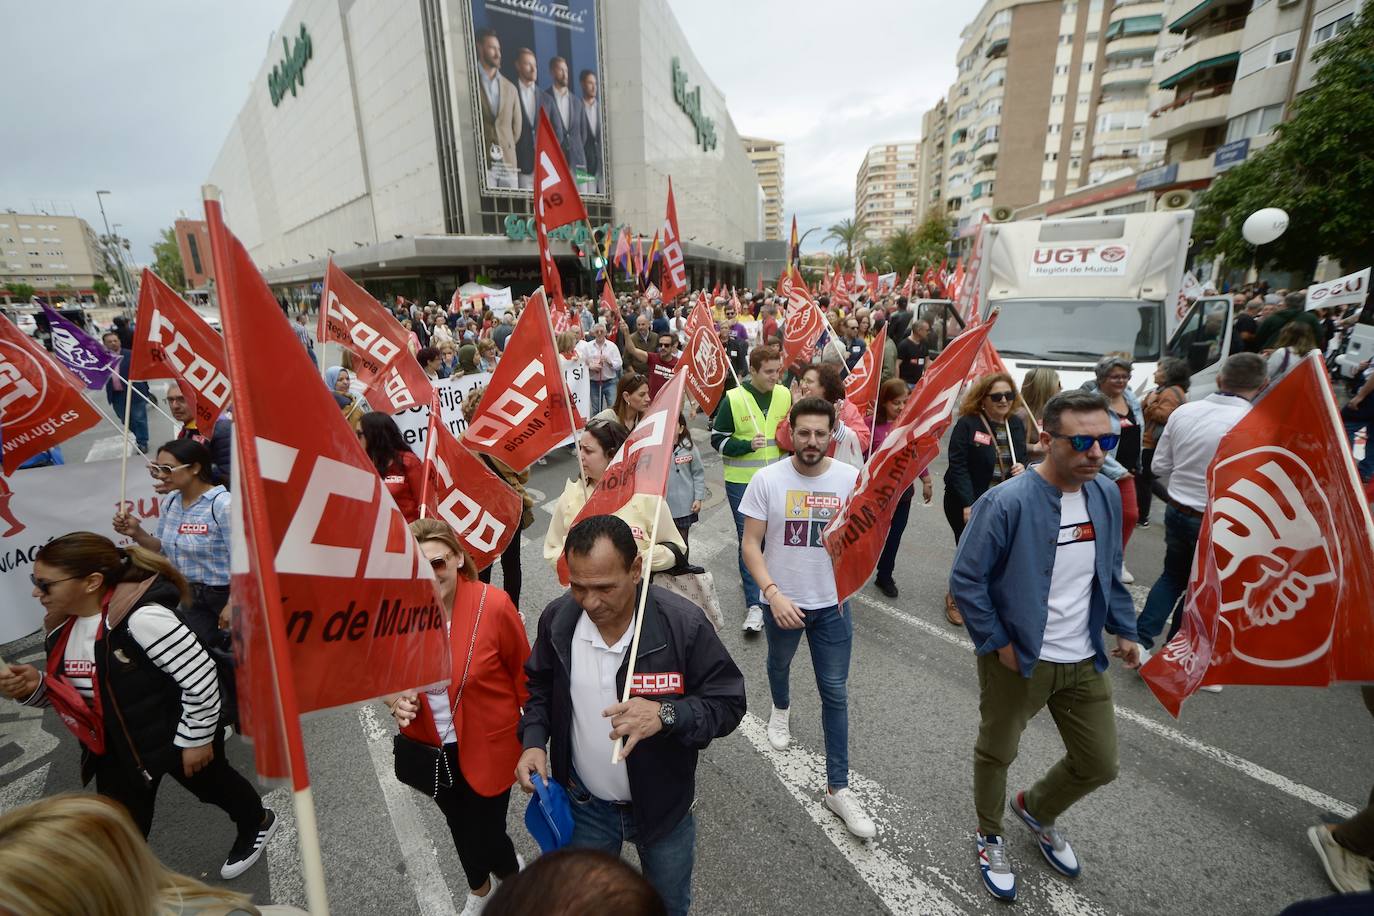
(526, 409)
(639, 470)
(1282, 589)
(855, 537)
(87, 359)
(334, 602)
(382, 361)
(174, 342)
(801, 332)
(41, 402)
(705, 362)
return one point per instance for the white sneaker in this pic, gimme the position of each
(1126, 577)
(855, 818)
(753, 621)
(1211, 688)
(779, 734)
(474, 904)
(1144, 657)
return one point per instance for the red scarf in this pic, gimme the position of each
(82, 719)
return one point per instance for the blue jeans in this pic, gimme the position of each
(1366, 465)
(607, 826)
(1180, 543)
(138, 415)
(830, 636)
(734, 492)
(603, 395)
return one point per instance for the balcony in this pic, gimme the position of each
(986, 149)
(1197, 57)
(1121, 77)
(997, 48)
(1195, 111)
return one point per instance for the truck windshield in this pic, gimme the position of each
(1081, 330)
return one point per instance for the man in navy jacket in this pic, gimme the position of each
(686, 691)
(1038, 578)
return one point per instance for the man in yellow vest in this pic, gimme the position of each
(745, 433)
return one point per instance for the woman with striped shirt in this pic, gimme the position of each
(134, 685)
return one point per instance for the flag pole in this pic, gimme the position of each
(307, 828)
(753, 408)
(124, 452)
(115, 423)
(572, 419)
(427, 469)
(647, 571)
(151, 403)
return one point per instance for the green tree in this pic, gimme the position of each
(848, 233)
(1318, 169)
(167, 261)
(101, 288)
(20, 292)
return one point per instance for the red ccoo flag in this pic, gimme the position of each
(174, 342)
(639, 470)
(334, 602)
(704, 362)
(382, 361)
(526, 409)
(1282, 590)
(861, 384)
(42, 401)
(673, 278)
(477, 504)
(855, 537)
(556, 203)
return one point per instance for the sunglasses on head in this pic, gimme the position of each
(162, 470)
(44, 586)
(998, 397)
(1082, 443)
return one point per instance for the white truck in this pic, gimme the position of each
(1071, 290)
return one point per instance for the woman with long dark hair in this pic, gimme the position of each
(459, 743)
(134, 684)
(192, 531)
(986, 447)
(891, 402)
(396, 464)
(1173, 376)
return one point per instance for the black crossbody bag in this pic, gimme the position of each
(424, 767)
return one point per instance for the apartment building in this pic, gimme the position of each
(1225, 75)
(770, 165)
(930, 175)
(58, 256)
(886, 189)
(1050, 96)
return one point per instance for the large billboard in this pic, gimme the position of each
(528, 57)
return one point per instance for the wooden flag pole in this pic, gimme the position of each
(151, 403)
(115, 423)
(753, 408)
(647, 571)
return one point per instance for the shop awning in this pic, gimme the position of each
(1210, 63)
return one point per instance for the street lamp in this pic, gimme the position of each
(125, 286)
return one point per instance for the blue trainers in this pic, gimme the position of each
(1053, 846)
(995, 868)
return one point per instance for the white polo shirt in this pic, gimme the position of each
(1189, 443)
(594, 666)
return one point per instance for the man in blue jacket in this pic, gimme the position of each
(686, 691)
(1038, 578)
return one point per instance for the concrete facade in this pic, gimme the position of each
(376, 146)
(770, 164)
(193, 242)
(56, 255)
(887, 189)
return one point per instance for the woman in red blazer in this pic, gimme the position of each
(476, 731)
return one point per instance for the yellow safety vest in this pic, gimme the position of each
(745, 411)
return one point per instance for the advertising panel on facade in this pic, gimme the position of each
(531, 56)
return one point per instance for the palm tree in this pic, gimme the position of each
(847, 232)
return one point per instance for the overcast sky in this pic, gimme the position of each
(137, 98)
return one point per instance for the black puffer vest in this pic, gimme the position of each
(140, 704)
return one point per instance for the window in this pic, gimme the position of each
(1083, 99)
(1051, 157)
(1088, 67)
(1061, 69)
(1284, 56)
(1120, 120)
(1054, 128)
(1254, 122)
(1001, 18)
(1047, 184)
(1056, 100)
(1333, 29)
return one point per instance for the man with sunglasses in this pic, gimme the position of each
(661, 363)
(1037, 577)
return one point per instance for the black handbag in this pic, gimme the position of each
(425, 767)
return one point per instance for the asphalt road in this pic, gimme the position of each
(1207, 816)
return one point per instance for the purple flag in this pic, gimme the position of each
(79, 352)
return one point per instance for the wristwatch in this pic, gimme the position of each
(667, 714)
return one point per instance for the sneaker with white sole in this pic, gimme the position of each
(779, 732)
(753, 621)
(474, 904)
(1053, 845)
(995, 867)
(1126, 577)
(855, 818)
(1349, 873)
(1211, 688)
(248, 847)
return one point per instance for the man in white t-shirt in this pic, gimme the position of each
(1037, 577)
(785, 507)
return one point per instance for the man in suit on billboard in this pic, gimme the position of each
(591, 112)
(500, 114)
(527, 93)
(568, 122)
